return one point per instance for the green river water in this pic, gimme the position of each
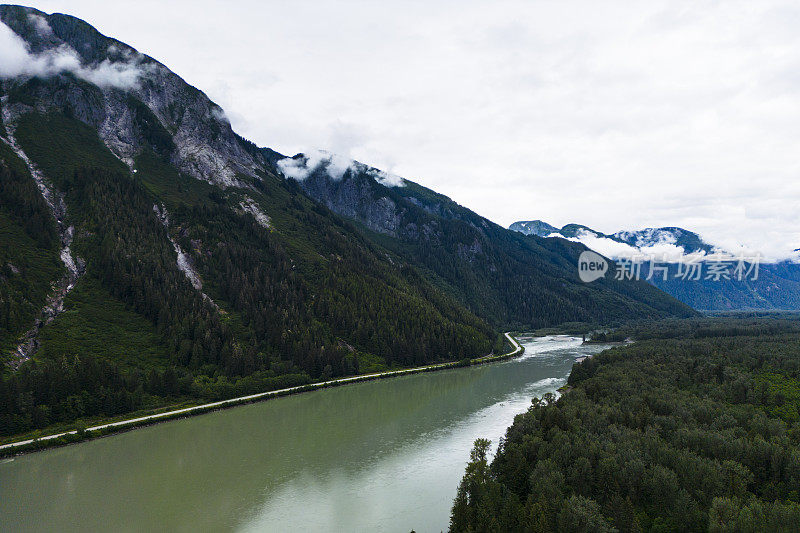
(384, 455)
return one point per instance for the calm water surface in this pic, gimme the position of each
(378, 456)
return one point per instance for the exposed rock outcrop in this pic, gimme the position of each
(184, 261)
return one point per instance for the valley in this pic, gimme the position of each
(211, 268)
(367, 353)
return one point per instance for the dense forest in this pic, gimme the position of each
(694, 427)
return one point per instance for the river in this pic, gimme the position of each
(383, 455)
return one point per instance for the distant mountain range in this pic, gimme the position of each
(688, 241)
(777, 286)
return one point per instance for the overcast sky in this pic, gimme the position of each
(617, 115)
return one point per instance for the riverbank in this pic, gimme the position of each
(76, 435)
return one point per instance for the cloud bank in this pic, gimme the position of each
(664, 249)
(16, 59)
(335, 166)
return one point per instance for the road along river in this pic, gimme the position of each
(384, 455)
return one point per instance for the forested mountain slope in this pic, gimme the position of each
(149, 254)
(501, 275)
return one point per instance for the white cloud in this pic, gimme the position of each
(304, 166)
(41, 24)
(16, 59)
(334, 165)
(112, 74)
(388, 179)
(294, 168)
(663, 248)
(219, 114)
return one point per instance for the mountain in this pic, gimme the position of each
(500, 275)
(777, 286)
(150, 255)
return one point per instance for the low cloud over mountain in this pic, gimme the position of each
(17, 59)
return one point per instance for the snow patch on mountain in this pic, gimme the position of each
(534, 227)
(668, 244)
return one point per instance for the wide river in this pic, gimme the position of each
(383, 455)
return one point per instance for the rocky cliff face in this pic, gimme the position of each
(383, 202)
(132, 100)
